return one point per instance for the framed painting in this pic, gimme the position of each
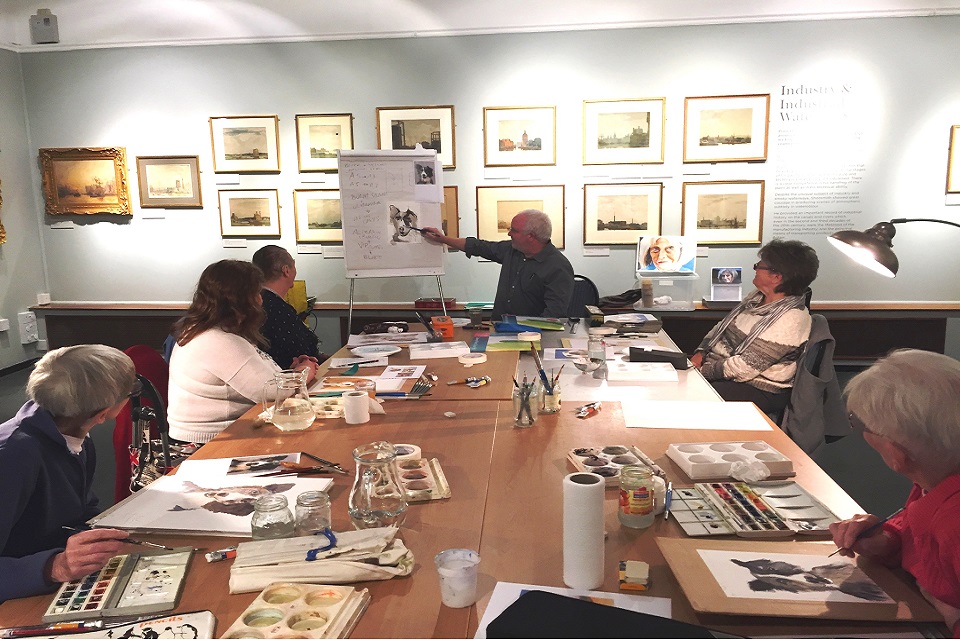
(319, 137)
(246, 144)
(496, 207)
(723, 212)
(249, 212)
(953, 161)
(169, 181)
(317, 212)
(623, 131)
(450, 214)
(620, 213)
(430, 127)
(726, 128)
(519, 136)
(85, 180)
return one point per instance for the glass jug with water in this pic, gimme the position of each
(287, 395)
(376, 499)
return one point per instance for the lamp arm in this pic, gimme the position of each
(900, 220)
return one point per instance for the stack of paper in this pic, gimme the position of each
(438, 350)
(621, 371)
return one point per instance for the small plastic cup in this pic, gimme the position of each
(458, 577)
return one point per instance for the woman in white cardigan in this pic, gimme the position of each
(217, 370)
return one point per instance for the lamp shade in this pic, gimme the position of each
(872, 248)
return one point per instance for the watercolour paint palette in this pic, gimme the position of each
(423, 480)
(607, 461)
(714, 460)
(128, 585)
(289, 610)
(750, 510)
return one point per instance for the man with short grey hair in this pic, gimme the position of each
(535, 278)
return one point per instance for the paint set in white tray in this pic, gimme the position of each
(607, 461)
(290, 610)
(422, 480)
(714, 460)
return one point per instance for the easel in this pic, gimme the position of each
(353, 281)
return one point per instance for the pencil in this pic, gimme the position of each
(866, 532)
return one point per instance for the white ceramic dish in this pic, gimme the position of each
(375, 350)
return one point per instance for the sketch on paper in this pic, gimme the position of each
(788, 576)
(405, 223)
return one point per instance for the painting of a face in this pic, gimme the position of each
(664, 254)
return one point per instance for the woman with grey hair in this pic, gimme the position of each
(908, 407)
(47, 465)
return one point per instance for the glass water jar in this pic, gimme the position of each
(271, 518)
(597, 352)
(312, 513)
(636, 508)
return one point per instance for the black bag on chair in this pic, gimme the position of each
(150, 457)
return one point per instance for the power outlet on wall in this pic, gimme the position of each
(28, 327)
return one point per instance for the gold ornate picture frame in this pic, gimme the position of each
(450, 213)
(723, 211)
(726, 128)
(245, 144)
(319, 137)
(85, 180)
(953, 161)
(496, 207)
(169, 182)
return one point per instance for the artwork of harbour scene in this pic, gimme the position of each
(86, 181)
(170, 181)
(722, 211)
(245, 143)
(519, 135)
(623, 130)
(617, 212)
(726, 127)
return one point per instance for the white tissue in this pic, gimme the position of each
(749, 471)
(583, 530)
(356, 407)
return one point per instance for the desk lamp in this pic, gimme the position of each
(873, 248)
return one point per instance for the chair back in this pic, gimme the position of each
(150, 365)
(584, 293)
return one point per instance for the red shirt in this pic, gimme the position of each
(929, 533)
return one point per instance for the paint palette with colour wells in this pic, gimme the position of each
(290, 610)
(714, 460)
(751, 510)
(607, 461)
(423, 480)
(128, 585)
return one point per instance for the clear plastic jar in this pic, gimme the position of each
(312, 513)
(271, 518)
(597, 352)
(636, 508)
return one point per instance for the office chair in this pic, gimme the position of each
(154, 373)
(816, 413)
(584, 293)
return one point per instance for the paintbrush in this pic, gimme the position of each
(142, 543)
(543, 374)
(869, 530)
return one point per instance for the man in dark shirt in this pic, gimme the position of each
(535, 278)
(286, 333)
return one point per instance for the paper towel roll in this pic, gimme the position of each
(356, 408)
(583, 530)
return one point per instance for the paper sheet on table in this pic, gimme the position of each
(220, 468)
(506, 593)
(405, 371)
(720, 416)
(407, 337)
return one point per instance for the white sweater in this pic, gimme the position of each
(214, 379)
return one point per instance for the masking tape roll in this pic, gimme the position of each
(471, 359)
(407, 452)
(528, 336)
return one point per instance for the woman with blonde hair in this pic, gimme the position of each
(217, 369)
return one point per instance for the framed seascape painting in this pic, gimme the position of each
(953, 161)
(623, 131)
(319, 137)
(619, 213)
(169, 181)
(85, 180)
(246, 144)
(450, 213)
(317, 212)
(430, 127)
(726, 128)
(519, 136)
(250, 212)
(723, 212)
(496, 207)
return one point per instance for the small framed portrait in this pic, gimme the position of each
(726, 283)
(666, 254)
(319, 137)
(85, 180)
(169, 181)
(726, 128)
(953, 161)
(619, 213)
(430, 127)
(723, 212)
(519, 136)
(496, 207)
(248, 213)
(450, 213)
(623, 131)
(246, 144)
(318, 216)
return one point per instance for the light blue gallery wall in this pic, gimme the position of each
(870, 143)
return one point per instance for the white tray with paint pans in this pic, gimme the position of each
(290, 610)
(423, 480)
(607, 461)
(713, 460)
